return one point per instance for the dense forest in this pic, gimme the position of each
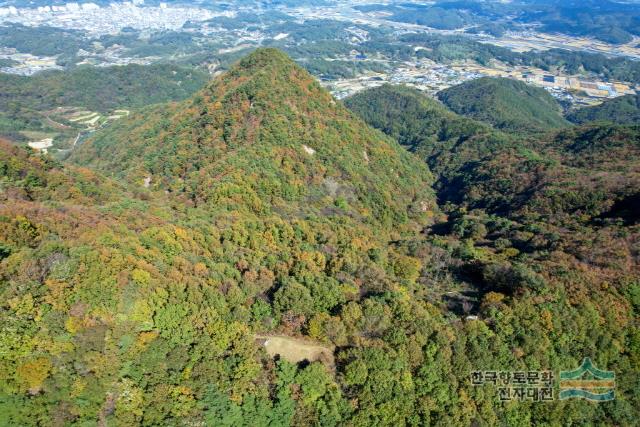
(137, 278)
(561, 202)
(101, 89)
(506, 104)
(25, 101)
(445, 140)
(621, 110)
(420, 123)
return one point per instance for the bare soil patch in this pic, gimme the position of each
(296, 350)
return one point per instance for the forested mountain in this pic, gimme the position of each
(411, 118)
(622, 110)
(24, 101)
(268, 135)
(563, 202)
(102, 89)
(552, 174)
(423, 125)
(139, 282)
(279, 229)
(507, 104)
(580, 175)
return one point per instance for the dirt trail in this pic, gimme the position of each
(296, 350)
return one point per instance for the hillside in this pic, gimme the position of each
(102, 89)
(410, 117)
(622, 110)
(539, 214)
(264, 137)
(578, 171)
(26, 103)
(424, 126)
(142, 283)
(504, 103)
(578, 175)
(159, 291)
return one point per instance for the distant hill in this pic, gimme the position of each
(622, 110)
(551, 174)
(101, 89)
(411, 117)
(506, 104)
(24, 100)
(445, 140)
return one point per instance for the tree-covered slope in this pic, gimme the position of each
(100, 89)
(561, 202)
(412, 118)
(143, 307)
(265, 136)
(28, 103)
(622, 110)
(506, 104)
(560, 175)
(442, 138)
(262, 207)
(575, 175)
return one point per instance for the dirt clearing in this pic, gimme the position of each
(296, 350)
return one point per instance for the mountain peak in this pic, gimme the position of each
(263, 63)
(265, 135)
(265, 57)
(268, 80)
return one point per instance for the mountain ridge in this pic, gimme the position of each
(507, 104)
(622, 110)
(135, 289)
(264, 132)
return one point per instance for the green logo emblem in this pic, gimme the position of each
(587, 382)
